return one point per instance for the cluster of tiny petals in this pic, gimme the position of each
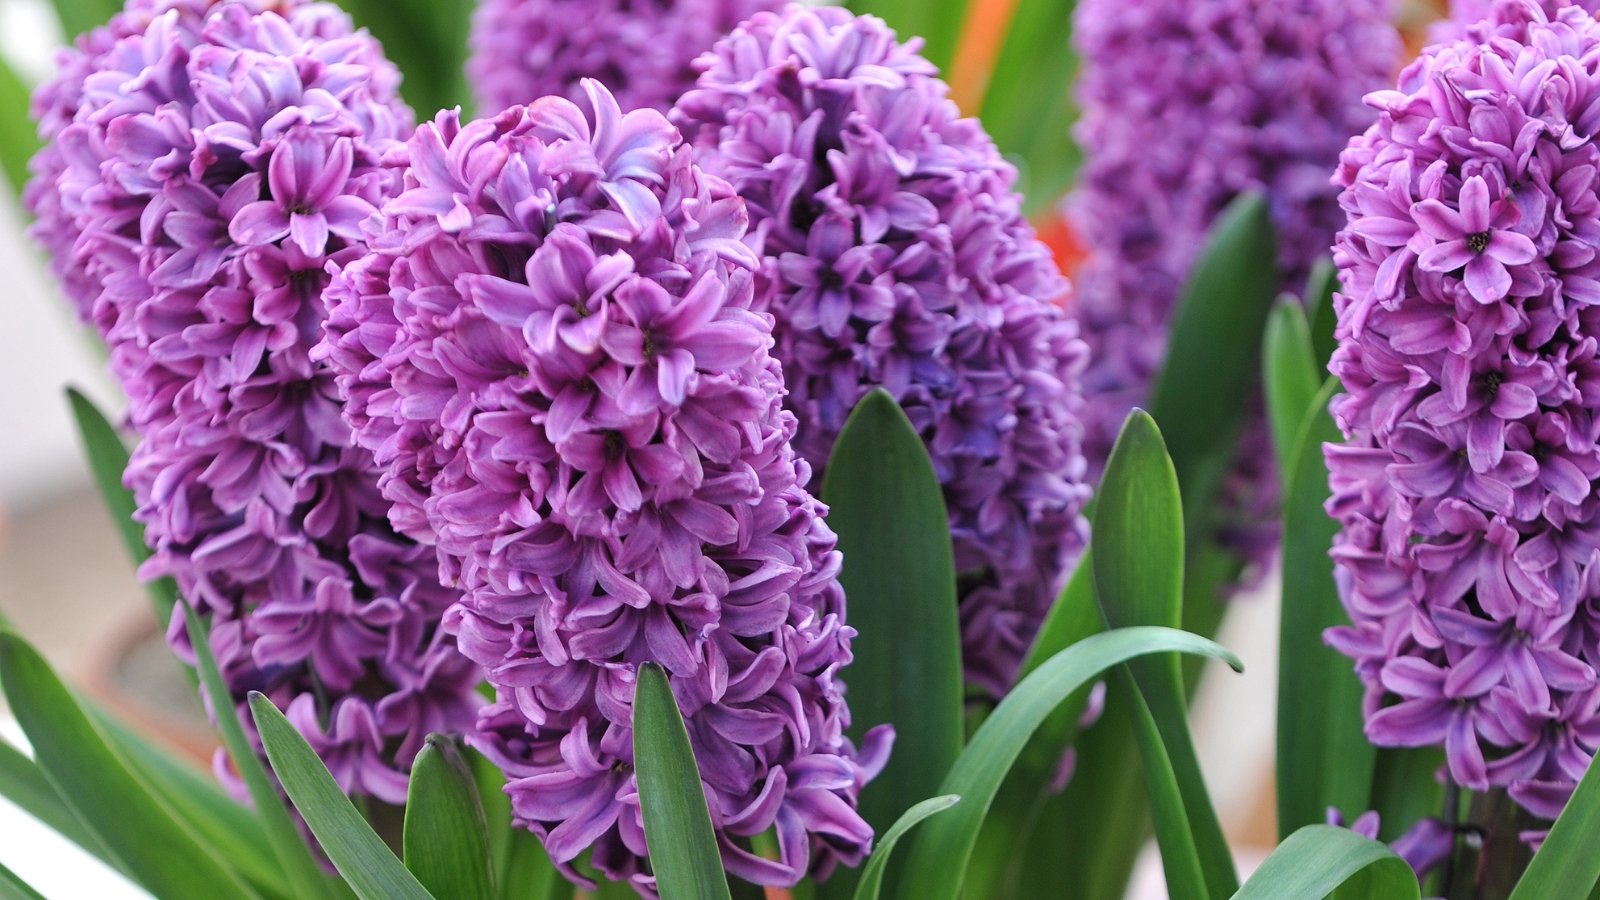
(1186, 104)
(1469, 327)
(641, 49)
(894, 255)
(1464, 14)
(552, 349)
(207, 160)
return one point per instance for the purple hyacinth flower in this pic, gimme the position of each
(179, 139)
(1466, 13)
(1469, 552)
(641, 49)
(1186, 104)
(552, 348)
(895, 255)
(1425, 846)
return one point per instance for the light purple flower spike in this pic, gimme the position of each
(1186, 104)
(895, 255)
(552, 349)
(1469, 329)
(1466, 13)
(641, 49)
(205, 161)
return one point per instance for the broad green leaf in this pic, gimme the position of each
(427, 39)
(446, 837)
(523, 870)
(1324, 757)
(14, 888)
(108, 459)
(677, 824)
(280, 834)
(367, 865)
(1289, 374)
(899, 573)
(231, 831)
(25, 785)
(1320, 312)
(1319, 860)
(19, 140)
(1138, 576)
(1566, 864)
(138, 831)
(80, 16)
(937, 22)
(872, 873)
(1028, 108)
(944, 844)
(1406, 788)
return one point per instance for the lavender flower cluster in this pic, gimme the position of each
(1469, 550)
(1466, 13)
(1185, 105)
(895, 255)
(551, 347)
(206, 162)
(641, 49)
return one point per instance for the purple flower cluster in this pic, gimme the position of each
(208, 160)
(1469, 555)
(552, 349)
(1185, 105)
(641, 49)
(895, 255)
(1466, 13)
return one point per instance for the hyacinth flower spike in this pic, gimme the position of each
(554, 350)
(895, 254)
(206, 161)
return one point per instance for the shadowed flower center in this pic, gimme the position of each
(1478, 242)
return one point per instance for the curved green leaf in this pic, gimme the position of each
(147, 842)
(1318, 860)
(872, 873)
(80, 16)
(1320, 312)
(944, 845)
(937, 23)
(1324, 757)
(25, 785)
(523, 870)
(1566, 864)
(108, 459)
(14, 888)
(887, 507)
(19, 140)
(301, 870)
(1028, 107)
(355, 850)
(1138, 575)
(446, 837)
(1290, 377)
(677, 824)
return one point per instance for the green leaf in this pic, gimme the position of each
(446, 838)
(1320, 312)
(1406, 788)
(25, 785)
(677, 824)
(80, 16)
(14, 888)
(19, 140)
(108, 459)
(1324, 757)
(1180, 846)
(135, 828)
(427, 40)
(1138, 575)
(1566, 864)
(937, 23)
(1290, 375)
(354, 848)
(280, 834)
(899, 573)
(872, 873)
(523, 870)
(1319, 860)
(231, 831)
(944, 845)
(1028, 107)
